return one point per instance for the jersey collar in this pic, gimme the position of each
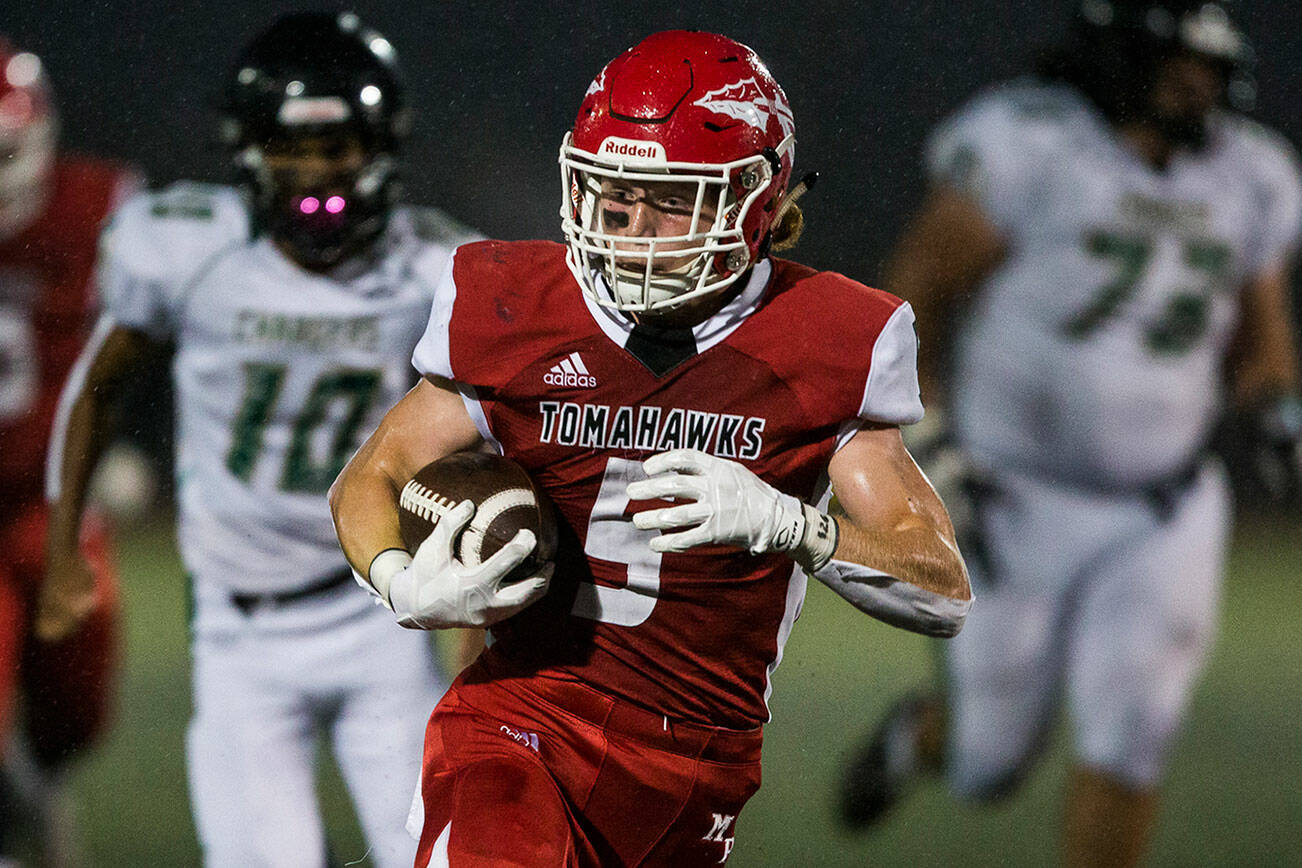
(618, 327)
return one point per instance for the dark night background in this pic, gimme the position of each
(496, 85)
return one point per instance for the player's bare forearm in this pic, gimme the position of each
(362, 502)
(68, 595)
(916, 551)
(896, 558)
(88, 421)
(946, 250)
(1262, 364)
(428, 423)
(83, 428)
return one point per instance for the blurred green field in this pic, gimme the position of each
(1234, 795)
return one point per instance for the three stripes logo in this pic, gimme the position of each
(570, 372)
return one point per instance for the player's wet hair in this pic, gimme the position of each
(789, 224)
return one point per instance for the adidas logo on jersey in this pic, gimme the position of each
(570, 372)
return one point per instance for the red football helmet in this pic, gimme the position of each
(28, 130)
(688, 107)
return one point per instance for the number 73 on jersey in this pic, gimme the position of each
(1187, 292)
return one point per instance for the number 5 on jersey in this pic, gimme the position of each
(612, 537)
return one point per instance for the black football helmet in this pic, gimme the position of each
(316, 74)
(1114, 47)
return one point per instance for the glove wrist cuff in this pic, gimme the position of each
(788, 526)
(818, 541)
(384, 567)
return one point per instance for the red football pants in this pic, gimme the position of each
(541, 772)
(67, 686)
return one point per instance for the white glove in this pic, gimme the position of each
(730, 506)
(438, 591)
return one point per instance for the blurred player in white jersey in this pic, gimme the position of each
(293, 305)
(1106, 249)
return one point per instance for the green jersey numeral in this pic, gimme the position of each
(1183, 320)
(302, 473)
(262, 384)
(357, 389)
(1130, 256)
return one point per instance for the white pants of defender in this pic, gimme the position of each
(1095, 599)
(265, 685)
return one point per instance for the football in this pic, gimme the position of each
(506, 500)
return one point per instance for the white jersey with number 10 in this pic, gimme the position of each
(280, 373)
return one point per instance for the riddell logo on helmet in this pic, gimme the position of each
(632, 150)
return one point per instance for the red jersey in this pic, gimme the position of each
(777, 379)
(46, 303)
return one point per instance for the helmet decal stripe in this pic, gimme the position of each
(742, 101)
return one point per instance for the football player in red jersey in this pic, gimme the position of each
(685, 399)
(51, 208)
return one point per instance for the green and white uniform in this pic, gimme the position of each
(1087, 378)
(280, 373)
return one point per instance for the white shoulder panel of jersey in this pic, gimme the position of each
(995, 146)
(433, 353)
(435, 226)
(436, 234)
(1270, 166)
(157, 242)
(891, 394)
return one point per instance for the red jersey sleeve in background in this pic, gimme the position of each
(47, 304)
